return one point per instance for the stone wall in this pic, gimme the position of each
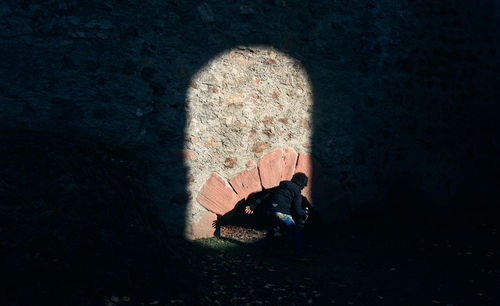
(403, 93)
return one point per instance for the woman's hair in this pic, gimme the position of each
(300, 179)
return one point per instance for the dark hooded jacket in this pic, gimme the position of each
(286, 197)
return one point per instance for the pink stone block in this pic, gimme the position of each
(203, 228)
(307, 165)
(216, 196)
(246, 182)
(290, 160)
(271, 167)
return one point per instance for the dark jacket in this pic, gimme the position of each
(287, 196)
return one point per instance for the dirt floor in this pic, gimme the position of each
(76, 230)
(361, 264)
(353, 266)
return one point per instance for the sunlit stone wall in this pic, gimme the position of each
(242, 104)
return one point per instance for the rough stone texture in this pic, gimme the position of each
(246, 182)
(270, 168)
(307, 165)
(216, 196)
(203, 228)
(184, 154)
(290, 161)
(396, 99)
(241, 116)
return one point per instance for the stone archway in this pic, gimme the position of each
(243, 107)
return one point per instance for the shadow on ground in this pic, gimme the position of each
(76, 225)
(74, 233)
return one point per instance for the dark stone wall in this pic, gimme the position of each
(414, 105)
(406, 112)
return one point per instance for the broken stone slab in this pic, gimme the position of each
(216, 196)
(203, 227)
(307, 165)
(290, 161)
(246, 182)
(270, 168)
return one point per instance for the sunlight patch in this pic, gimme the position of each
(242, 104)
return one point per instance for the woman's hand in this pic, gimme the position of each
(248, 210)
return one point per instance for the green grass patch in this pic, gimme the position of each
(218, 245)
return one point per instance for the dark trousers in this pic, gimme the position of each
(281, 219)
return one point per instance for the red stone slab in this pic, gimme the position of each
(216, 196)
(290, 161)
(246, 182)
(270, 168)
(203, 227)
(307, 165)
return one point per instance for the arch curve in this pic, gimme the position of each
(243, 103)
